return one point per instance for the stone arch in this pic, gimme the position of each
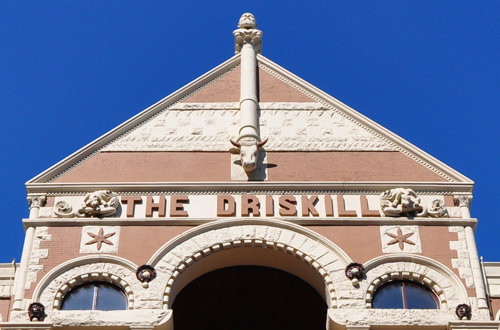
(270, 237)
(442, 281)
(55, 284)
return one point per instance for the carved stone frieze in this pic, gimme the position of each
(292, 126)
(100, 203)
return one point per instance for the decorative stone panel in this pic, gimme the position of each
(100, 239)
(400, 239)
(208, 127)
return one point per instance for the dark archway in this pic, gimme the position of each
(249, 297)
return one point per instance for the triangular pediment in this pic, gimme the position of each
(202, 116)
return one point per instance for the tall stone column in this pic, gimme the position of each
(248, 42)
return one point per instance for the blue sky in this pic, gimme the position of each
(427, 70)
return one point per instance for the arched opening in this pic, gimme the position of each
(249, 297)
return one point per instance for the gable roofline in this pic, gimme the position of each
(400, 144)
(279, 72)
(147, 113)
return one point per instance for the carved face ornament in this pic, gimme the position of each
(94, 201)
(247, 21)
(249, 153)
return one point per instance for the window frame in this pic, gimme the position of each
(95, 295)
(404, 296)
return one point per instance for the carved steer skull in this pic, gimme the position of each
(249, 152)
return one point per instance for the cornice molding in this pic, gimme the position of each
(247, 187)
(319, 221)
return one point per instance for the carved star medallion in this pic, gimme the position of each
(100, 238)
(400, 239)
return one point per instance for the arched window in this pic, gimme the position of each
(95, 296)
(405, 295)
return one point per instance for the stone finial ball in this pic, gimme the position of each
(247, 21)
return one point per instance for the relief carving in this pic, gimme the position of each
(248, 148)
(63, 209)
(399, 202)
(437, 209)
(305, 126)
(36, 312)
(100, 203)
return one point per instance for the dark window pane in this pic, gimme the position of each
(79, 298)
(419, 297)
(388, 296)
(109, 298)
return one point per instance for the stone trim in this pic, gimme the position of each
(327, 259)
(34, 267)
(198, 187)
(310, 221)
(189, 261)
(462, 262)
